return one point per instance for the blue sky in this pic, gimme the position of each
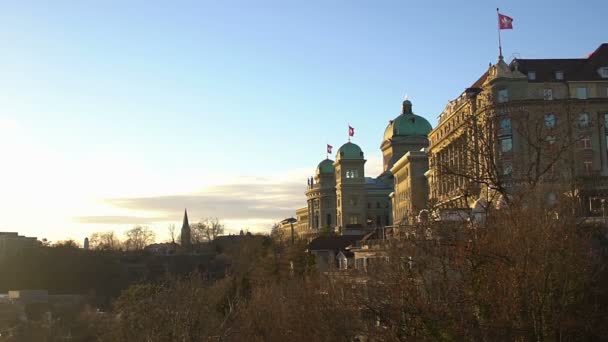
(104, 101)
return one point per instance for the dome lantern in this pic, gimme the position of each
(407, 124)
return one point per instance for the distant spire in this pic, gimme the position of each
(86, 243)
(185, 238)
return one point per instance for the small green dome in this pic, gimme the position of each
(349, 151)
(407, 124)
(326, 167)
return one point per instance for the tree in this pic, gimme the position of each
(172, 233)
(139, 237)
(69, 243)
(478, 158)
(105, 241)
(206, 230)
(276, 233)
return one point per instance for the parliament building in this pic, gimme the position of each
(541, 122)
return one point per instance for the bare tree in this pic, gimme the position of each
(172, 233)
(69, 243)
(139, 237)
(276, 233)
(206, 230)
(480, 154)
(107, 241)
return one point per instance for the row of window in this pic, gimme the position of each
(369, 205)
(581, 93)
(584, 120)
(559, 75)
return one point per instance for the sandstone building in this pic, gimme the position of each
(539, 122)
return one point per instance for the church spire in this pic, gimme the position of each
(185, 236)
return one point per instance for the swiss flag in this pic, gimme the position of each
(329, 147)
(351, 131)
(505, 22)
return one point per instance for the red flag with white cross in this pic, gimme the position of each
(505, 22)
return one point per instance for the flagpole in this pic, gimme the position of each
(498, 26)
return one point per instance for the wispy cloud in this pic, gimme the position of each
(264, 200)
(118, 219)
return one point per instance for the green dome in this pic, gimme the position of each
(407, 124)
(349, 151)
(326, 167)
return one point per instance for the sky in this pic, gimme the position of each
(118, 113)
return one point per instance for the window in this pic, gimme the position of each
(548, 94)
(378, 205)
(606, 121)
(369, 205)
(353, 201)
(531, 75)
(559, 75)
(585, 143)
(587, 167)
(505, 124)
(506, 145)
(551, 198)
(507, 169)
(603, 71)
(352, 173)
(329, 219)
(550, 139)
(503, 95)
(550, 120)
(378, 221)
(584, 120)
(581, 93)
(353, 219)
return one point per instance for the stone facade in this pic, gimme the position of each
(411, 187)
(541, 122)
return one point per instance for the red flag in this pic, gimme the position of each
(329, 147)
(351, 131)
(505, 22)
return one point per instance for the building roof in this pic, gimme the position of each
(347, 254)
(407, 124)
(349, 151)
(333, 243)
(574, 69)
(326, 167)
(376, 183)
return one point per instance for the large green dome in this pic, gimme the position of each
(326, 167)
(349, 151)
(407, 124)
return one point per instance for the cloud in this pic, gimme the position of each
(260, 200)
(118, 219)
